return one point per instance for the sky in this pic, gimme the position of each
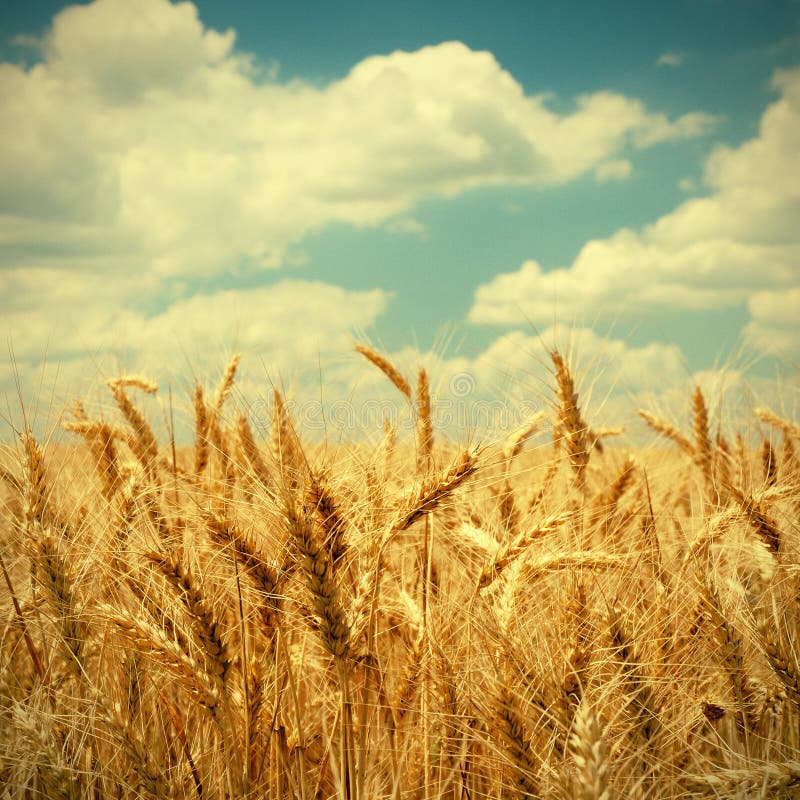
(465, 186)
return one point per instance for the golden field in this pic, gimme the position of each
(279, 619)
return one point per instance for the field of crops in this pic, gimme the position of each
(414, 619)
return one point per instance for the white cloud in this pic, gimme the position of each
(614, 170)
(670, 59)
(774, 325)
(711, 252)
(142, 132)
(284, 328)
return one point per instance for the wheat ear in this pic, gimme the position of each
(569, 416)
(424, 424)
(663, 427)
(143, 443)
(590, 752)
(207, 625)
(433, 491)
(387, 368)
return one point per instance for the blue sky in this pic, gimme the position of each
(180, 180)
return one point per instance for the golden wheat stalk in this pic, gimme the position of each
(514, 549)
(253, 454)
(207, 624)
(387, 368)
(143, 442)
(516, 439)
(769, 417)
(590, 753)
(151, 641)
(570, 420)
(424, 424)
(433, 490)
(663, 427)
(329, 613)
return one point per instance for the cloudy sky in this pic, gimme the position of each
(464, 185)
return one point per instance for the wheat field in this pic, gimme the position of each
(414, 619)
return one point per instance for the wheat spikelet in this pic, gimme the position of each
(515, 441)
(36, 489)
(508, 553)
(647, 717)
(410, 677)
(759, 520)
(595, 438)
(207, 625)
(264, 577)
(702, 439)
(569, 416)
(226, 384)
(321, 501)
(152, 780)
(256, 733)
(769, 463)
(585, 559)
(514, 733)
(201, 431)
(143, 443)
(253, 454)
(285, 443)
(670, 431)
(387, 368)
(610, 497)
(731, 653)
(152, 642)
(135, 382)
(434, 490)
(99, 437)
(424, 424)
(771, 418)
(790, 464)
(329, 613)
(58, 775)
(590, 753)
(575, 676)
(783, 665)
(54, 578)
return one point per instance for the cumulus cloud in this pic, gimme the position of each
(85, 344)
(712, 252)
(146, 159)
(141, 130)
(615, 169)
(774, 325)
